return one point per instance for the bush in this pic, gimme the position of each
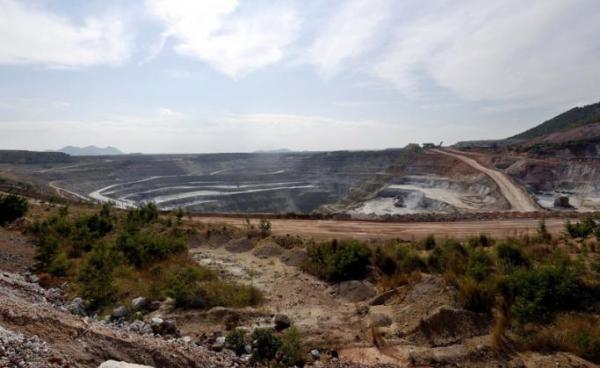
(429, 242)
(542, 232)
(511, 257)
(333, 261)
(12, 207)
(141, 216)
(60, 265)
(385, 262)
(575, 333)
(236, 341)
(96, 275)
(408, 259)
(184, 286)
(536, 294)
(580, 229)
(451, 257)
(291, 348)
(265, 227)
(266, 344)
(143, 248)
(198, 287)
(479, 265)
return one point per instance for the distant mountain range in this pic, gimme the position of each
(90, 151)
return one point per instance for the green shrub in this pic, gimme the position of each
(199, 287)
(581, 229)
(143, 215)
(184, 285)
(408, 259)
(265, 227)
(96, 275)
(228, 294)
(291, 348)
(429, 242)
(588, 345)
(479, 265)
(46, 249)
(385, 262)
(542, 232)
(12, 207)
(511, 257)
(266, 344)
(450, 257)
(60, 265)
(481, 241)
(236, 340)
(338, 261)
(536, 294)
(143, 248)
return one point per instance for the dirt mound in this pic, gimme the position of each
(293, 257)
(239, 245)
(267, 249)
(446, 326)
(417, 301)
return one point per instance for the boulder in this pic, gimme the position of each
(119, 312)
(139, 303)
(383, 297)
(281, 322)
(219, 343)
(355, 291)
(77, 306)
(315, 354)
(380, 320)
(164, 327)
(447, 325)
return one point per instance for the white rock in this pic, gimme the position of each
(115, 364)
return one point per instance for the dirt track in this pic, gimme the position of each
(327, 229)
(515, 195)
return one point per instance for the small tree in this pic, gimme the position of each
(542, 231)
(12, 207)
(265, 227)
(179, 214)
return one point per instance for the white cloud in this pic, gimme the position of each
(29, 35)
(216, 31)
(351, 32)
(542, 52)
(165, 111)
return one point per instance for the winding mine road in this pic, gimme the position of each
(516, 196)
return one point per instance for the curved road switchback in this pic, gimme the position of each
(517, 197)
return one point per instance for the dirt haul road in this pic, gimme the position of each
(329, 229)
(517, 197)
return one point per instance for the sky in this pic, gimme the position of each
(194, 76)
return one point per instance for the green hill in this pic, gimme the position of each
(573, 118)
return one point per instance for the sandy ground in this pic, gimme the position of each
(515, 195)
(328, 229)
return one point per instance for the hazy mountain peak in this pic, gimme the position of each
(90, 151)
